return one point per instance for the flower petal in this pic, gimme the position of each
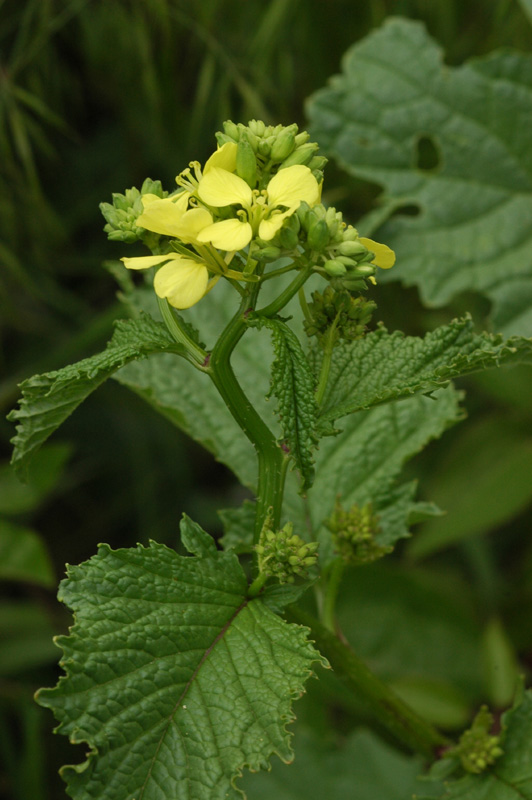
(269, 227)
(291, 186)
(192, 222)
(229, 234)
(163, 216)
(222, 188)
(223, 158)
(384, 255)
(183, 282)
(145, 262)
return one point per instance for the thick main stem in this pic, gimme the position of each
(387, 708)
(269, 454)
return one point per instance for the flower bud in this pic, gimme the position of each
(302, 138)
(288, 238)
(266, 254)
(351, 248)
(318, 235)
(334, 268)
(231, 130)
(264, 148)
(257, 127)
(246, 163)
(283, 146)
(318, 162)
(302, 155)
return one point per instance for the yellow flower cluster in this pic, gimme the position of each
(190, 217)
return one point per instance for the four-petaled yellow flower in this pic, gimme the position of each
(261, 210)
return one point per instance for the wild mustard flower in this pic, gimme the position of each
(261, 212)
(257, 198)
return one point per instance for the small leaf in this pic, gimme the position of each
(175, 680)
(239, 524)
(48, 399)
(293, 385)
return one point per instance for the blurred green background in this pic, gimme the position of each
(94, 97)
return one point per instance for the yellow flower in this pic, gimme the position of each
(261, 210)
(384, 255)
(172, 217)
(183, 281)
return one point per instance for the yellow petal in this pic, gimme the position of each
(229, 234)
(145, 262)
(222, 188)
(182, 282)
(384, 255)
(223, 158)
(192, 222)
(293, 185)
(269, 227)
(163, 216)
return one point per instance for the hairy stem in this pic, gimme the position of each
(270, 456)
(387, 708)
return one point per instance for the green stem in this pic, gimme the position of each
(257, 584)
(334, 579)
(326, 363)
(292, 288)
(270, 456)
(195, 353)
(387, 708)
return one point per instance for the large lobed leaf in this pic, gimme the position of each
(175, 680)
(48, 399)
(396, 99)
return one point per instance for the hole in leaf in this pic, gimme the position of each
(427, 154)
(409, 210)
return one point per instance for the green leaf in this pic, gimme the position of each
(511, 776)
(359, 767)
(23, 555)
(493, 458)
(48, 399)
(361, 464)
(471, 229)
(363, 461)
(414, 626)
(175, 680)
(293, 385)
(382, 366)
(526, 5)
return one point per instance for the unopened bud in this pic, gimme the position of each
(318, 235)
(283, 146)
(231, 130)
(301, 155)
(334, 268)
(351, 248)
(288, 238)
(270, 253)
(246, 163)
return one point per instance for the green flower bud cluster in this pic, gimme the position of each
(354, 533)
(284, 555)
(122, 215)
(263, 149)
(338, 251)
(337, 311)
(478, 748)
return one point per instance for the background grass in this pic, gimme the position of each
(95, 96)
